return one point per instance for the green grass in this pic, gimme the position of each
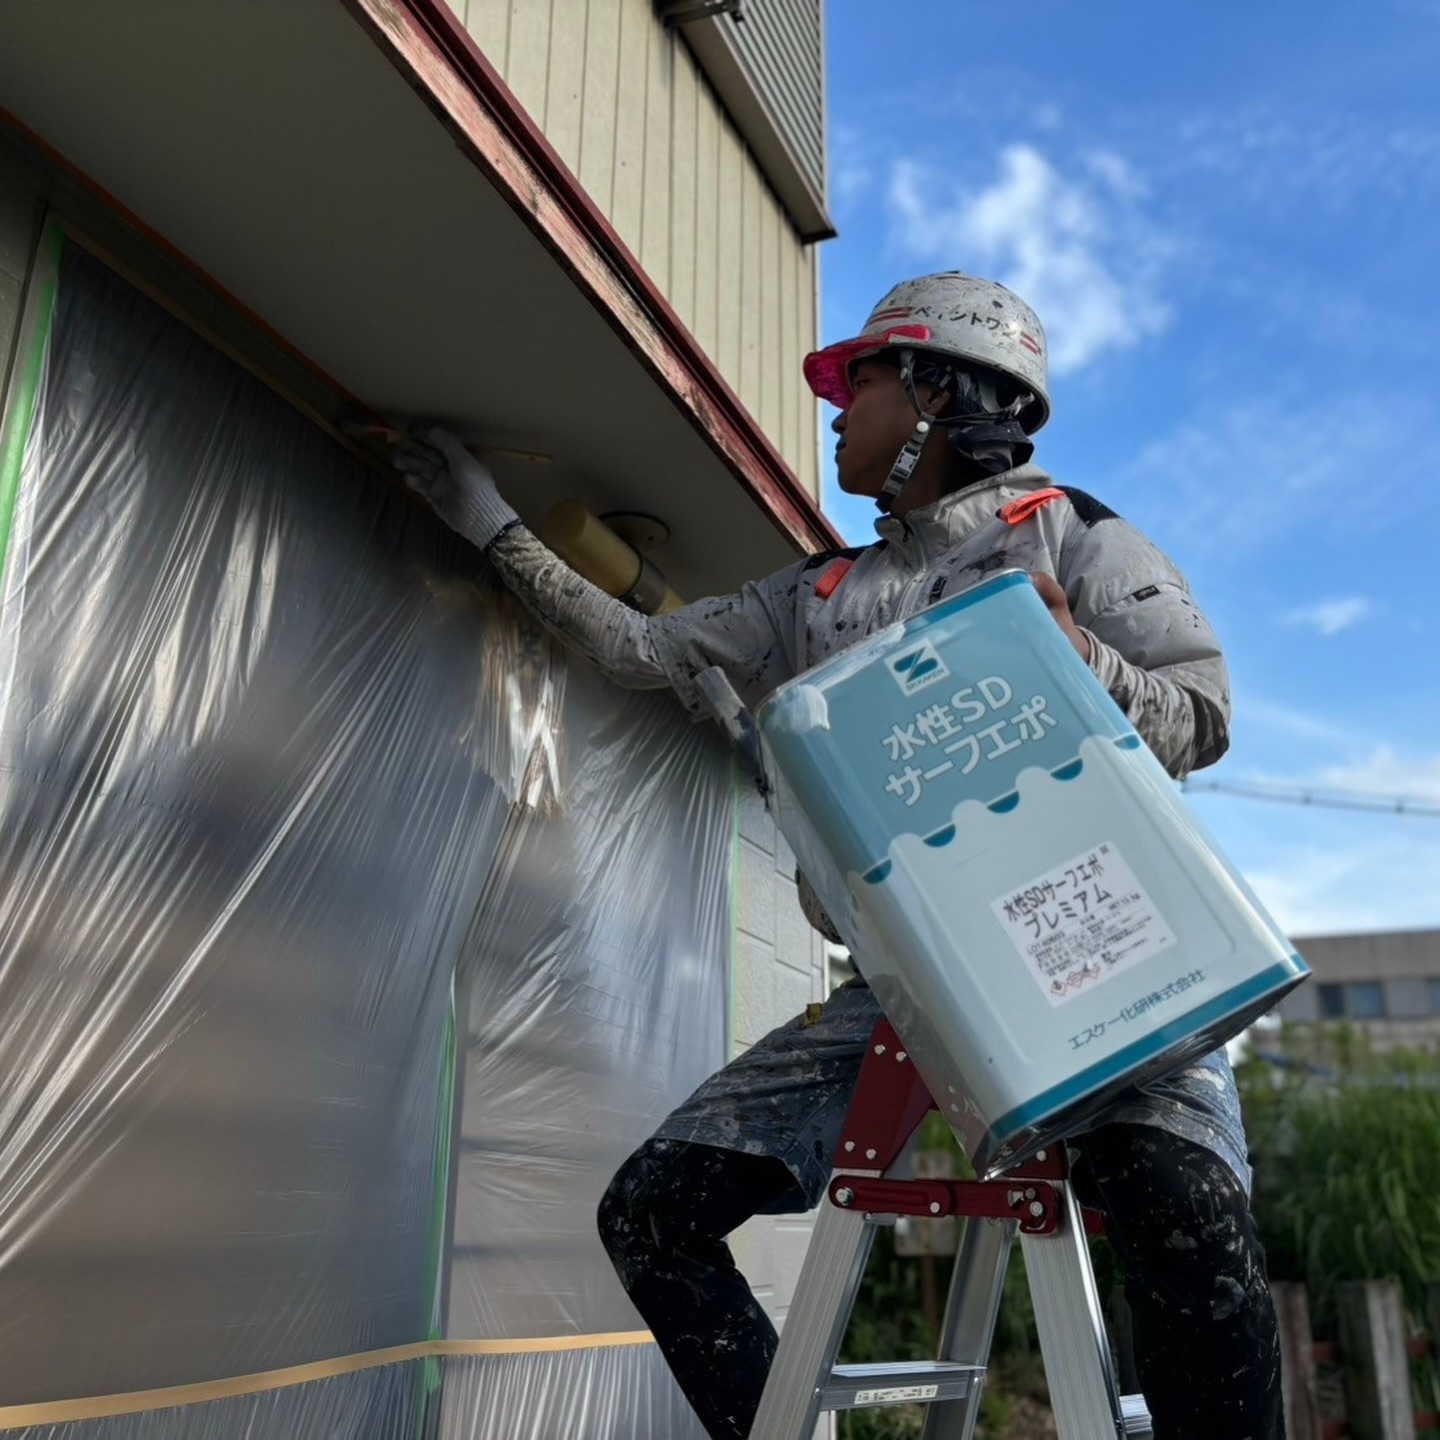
(1347, 1169)
(1346, 1150)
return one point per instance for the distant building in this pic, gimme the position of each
(1387, 986)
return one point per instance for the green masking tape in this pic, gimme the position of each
(34, 328)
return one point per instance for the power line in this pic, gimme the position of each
(1336, 800)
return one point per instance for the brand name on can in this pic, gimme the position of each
(918, 669)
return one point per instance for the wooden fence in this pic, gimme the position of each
(1373, 1357)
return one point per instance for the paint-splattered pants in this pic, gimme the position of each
(1206, 1342)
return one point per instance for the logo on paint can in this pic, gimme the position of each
(918, 668)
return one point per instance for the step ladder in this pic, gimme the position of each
(1033, 1202)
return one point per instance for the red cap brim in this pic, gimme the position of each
(827, 371)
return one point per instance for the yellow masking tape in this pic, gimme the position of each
(131, 1402)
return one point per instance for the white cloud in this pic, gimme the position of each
(849, 180)
(1207, 469)
(1385, 884)
(1388, 772)
(1321, 870)
(1115, 173)
(1308, 457)
(1272, 157)
(1076, 249)
(1330, 617)
(1384, 774)
(852, 166)
(1294, 724)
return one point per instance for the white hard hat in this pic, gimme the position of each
(958, 316)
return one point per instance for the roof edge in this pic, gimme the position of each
(427, 44)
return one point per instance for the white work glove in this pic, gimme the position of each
(457, 486)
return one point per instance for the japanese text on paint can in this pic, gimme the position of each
(958, 737)
(1160, 996)
(1082, 922)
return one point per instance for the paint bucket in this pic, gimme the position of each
(1038, 912)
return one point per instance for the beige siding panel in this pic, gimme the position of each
(807, 459)
(565, 83)
(792, 276)
(488, 22)
(600, 101)
(655, 182)
(633, 81)
(684, 216)
(806, 414)
(771, 224)
(753, 197)
(526, 63)
(729, 235)
(706, 325)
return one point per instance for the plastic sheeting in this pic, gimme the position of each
(592, 1003)
(259, 745)
(620, 1393)
(243, 838)
(385, 1403)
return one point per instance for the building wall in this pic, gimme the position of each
(629, 111)
(623, 102)
(779, 961)
(1385, 985)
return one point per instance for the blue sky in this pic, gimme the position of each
(1228, 218)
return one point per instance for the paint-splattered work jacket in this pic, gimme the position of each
(1151, 647)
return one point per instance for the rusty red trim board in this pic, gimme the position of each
(426, 42)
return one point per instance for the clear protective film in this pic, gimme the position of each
(594, 1000)
(619, 1392)
(277, 764)
(591, 1004)
(384, 1403)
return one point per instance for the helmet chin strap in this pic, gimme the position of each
(909, 456)
(904, 466)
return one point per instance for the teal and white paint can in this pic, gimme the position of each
(1035, 906)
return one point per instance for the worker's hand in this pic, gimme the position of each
(1050, 592)
(458, 487)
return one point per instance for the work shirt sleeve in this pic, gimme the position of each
(1150, 645)
(744, 633)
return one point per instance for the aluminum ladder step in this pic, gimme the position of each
(1136, 1415)
(911, 1382)
(924, 1382)
(805, 1379)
